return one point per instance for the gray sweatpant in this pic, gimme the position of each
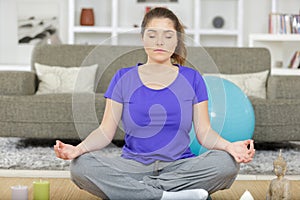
(119, 178)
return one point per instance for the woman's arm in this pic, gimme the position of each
(104, 134)
(210, 139)
(97, 139)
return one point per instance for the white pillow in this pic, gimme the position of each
(57, 79)
(252, 84)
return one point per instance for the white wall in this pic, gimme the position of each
(8, 31)
(255, 21)
(11, 53)
(255, 17)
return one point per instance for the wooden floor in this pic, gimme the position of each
(60, 188)
(63, 188)
(258, 190)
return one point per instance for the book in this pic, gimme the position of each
(295, 61)
(280, 23)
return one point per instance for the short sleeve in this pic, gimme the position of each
(114, 90)
(200, 88)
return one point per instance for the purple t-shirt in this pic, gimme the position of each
(157, 122)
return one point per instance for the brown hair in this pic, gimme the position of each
(179, 55)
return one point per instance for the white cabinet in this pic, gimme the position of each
(232, 32)
(116, 21)
(281, 46)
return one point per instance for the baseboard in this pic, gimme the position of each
(34, 173)
(66, 174)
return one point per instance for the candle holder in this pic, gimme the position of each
(41, 190)
(87, 17)
(19, 192)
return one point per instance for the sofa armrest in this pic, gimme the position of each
(283, 87)
(17, 83)
(276, 111)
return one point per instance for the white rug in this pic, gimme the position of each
(27, 154)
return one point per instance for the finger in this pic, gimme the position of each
(248, 143)
(238, 159)
(247, 161)
(252, 153)
(251, 148)
(57, 144)
(56, 148)
(57, 153)
(60, 144)
(251, 145)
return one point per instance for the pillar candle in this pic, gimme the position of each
(19, 192)
(41, 190)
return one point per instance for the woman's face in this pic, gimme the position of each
(160, 40)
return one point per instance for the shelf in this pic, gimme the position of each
(187, 31)
(92, 29)
(115, 19)
(286, 71)
(8, 67)
(281, 46)
(275, 37)
(128, 30)
(218, 32)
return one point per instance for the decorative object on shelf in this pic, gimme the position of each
(279, 187)
(87, 17)
(295, 61)
(147, 9)
(218, 22)
(278, 64)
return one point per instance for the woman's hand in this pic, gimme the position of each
(66, 151)
(242, 151)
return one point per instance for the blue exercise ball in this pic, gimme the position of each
(230, 111)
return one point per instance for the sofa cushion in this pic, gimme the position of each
(252, 84)
(17, 83)
(57, 79)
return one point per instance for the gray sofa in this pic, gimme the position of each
(73, 116)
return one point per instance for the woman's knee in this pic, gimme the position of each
(227, 167)
(78, 170)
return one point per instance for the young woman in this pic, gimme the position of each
(157, 101)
